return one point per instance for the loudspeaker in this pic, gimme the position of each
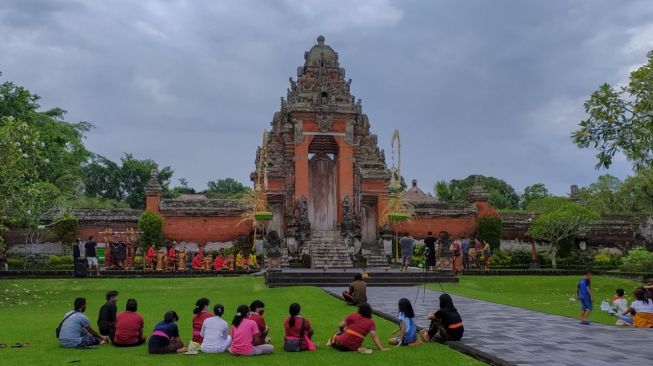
(80, 270)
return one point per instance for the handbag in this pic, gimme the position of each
(294, 345)
(58, 330)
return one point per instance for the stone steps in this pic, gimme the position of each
(332, 278)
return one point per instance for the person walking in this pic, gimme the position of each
(584, 295)
(429, 242)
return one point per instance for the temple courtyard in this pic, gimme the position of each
(499, 329)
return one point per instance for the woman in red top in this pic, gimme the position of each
(353, 331)
(218, 263)
(201, 312)
(129, 327)
(151, 253)
(197, 262)
(296, 329)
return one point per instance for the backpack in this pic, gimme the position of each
(58, 330)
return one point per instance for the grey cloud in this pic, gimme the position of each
(490, 87)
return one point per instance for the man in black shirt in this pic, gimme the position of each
(430, 251)
(91, 255)
(106, 320)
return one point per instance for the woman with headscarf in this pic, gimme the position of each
(446, 323)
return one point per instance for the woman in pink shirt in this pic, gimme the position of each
(244, 333)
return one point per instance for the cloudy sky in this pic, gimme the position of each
(474, 87)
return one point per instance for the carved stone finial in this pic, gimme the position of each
(153, 187)
(477, 193)
(320, 39)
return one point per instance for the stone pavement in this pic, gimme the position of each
(515, 336)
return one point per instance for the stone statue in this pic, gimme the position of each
(304, 227)
(348, 225)
(273, 249)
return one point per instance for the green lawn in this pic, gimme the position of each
(31, 309)
(549, 294)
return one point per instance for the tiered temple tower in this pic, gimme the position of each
(323, 164)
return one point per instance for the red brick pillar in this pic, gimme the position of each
(301, 168)
(345, 172)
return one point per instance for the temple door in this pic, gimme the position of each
(322, 202)
(368, 225)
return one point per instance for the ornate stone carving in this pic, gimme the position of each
(324, 122)
(348, 225)
(304, 226)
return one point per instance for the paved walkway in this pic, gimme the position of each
(525, 337)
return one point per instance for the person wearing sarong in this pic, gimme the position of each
(457, 261)
(446, 323)
(353, 331)
(218, 263)
(165, 338)
(641, 309)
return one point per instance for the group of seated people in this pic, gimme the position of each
(204, 262)
(640, 312)
(248, 334)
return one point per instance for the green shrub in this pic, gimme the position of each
(501, 258)
(520, 257)
(637, 260)
(151, 227)
(489, 229)
(419, 254)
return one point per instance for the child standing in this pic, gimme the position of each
(584, 295)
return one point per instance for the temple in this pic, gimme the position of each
(327, 186)
(327, 180)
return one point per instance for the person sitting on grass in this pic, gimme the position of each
(240, 261)
(201, 312)
(298, 331)
(253, 261)
(620, 307)
(246, 340)
(215, 332)
(106, 320)
(218, 263)
(407, 327)
(641, 309)
(165, 337)
(446, 323)
(75, 330)
(257, 308)
(129, 327)
(357, 293)
(197, 264)
(353, 331)
(584, 295)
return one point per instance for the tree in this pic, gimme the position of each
(636, 192)
(126, 181)
(558, 219)
(489, 230)
(443, 192)
(603, 196)
(225, 188)
(182, 188)
(61, 141)
(151, 228)
(621, 120)
(502, 194)
(532, 192)
(65, 227)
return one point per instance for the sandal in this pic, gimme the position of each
(3, 345)
(17, 345)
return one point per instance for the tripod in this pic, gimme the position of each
(424, 281)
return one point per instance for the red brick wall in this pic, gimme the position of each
(456, 227)
(204, 229)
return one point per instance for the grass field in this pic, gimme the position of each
(548, 294)
(31, 309)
